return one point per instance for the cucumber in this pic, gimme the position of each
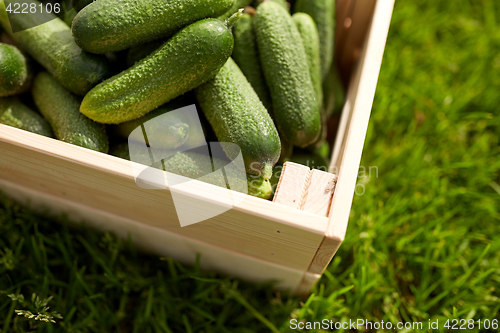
(237, 5)
(309, 33)
(312, 161)
(323, 150)
(246, 56)
(282, 3)
(259, 187)
(140, 52)
(114, 25)
(323, 13)
(174, 131)
(193, 56)
(284, 62)
(49, 41)
(15, 72)
(69, 16)
(120, 150)
(334, 94)
(194, 165)
(16, 114)
(60, 108)
(238, 116)
(286, 151)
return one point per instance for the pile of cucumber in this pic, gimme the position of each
(264, 78)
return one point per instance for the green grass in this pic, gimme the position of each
(423, 241)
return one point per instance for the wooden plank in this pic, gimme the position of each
(318, 194)
(160, 242)
(291, 186)
(254, 227)
(347, 152)
(361, 102)
(305, 189)
(307, 282)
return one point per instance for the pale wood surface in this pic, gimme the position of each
(158, 241)
(317, 196)
(303, 289)
(291, 185)
(254, 227)
(308, 190)
(347, 152)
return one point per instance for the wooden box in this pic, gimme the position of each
(256, 240)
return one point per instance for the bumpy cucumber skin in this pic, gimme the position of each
(334, 94)
(237, 115)
(114, 25)
(16, 114)
(175, 133)
(120, 150)
(323, 13)
(282, 3)
(15, 73)
(237, 5)
(286, 151)
(194, 165)
(309, 33)
(312, 160)
(139, 52)
(193, 56)
(60, 108)
(284, 62)
(53, 46)
(246, 56)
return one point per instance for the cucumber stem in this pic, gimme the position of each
(231, 21)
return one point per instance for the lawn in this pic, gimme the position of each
(423, 241)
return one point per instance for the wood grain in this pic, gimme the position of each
(318, 193)
(347, 151)
(160, 242)
(254, 226)
(291, 186)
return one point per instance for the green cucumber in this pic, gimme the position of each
(323, 13)
(284, 62)
(237, 5)
(286, 151)
(334, 94)
(16, 114)
(246, 56)
(238, 116)
(120, 150)
(193, 56)
(60, 108)
(114, 25)
(194, 165)
(174, 130)
(49, 41)
(309, 33)
(15, 72)
(312, 161)
(282, 3)
(139, 52)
